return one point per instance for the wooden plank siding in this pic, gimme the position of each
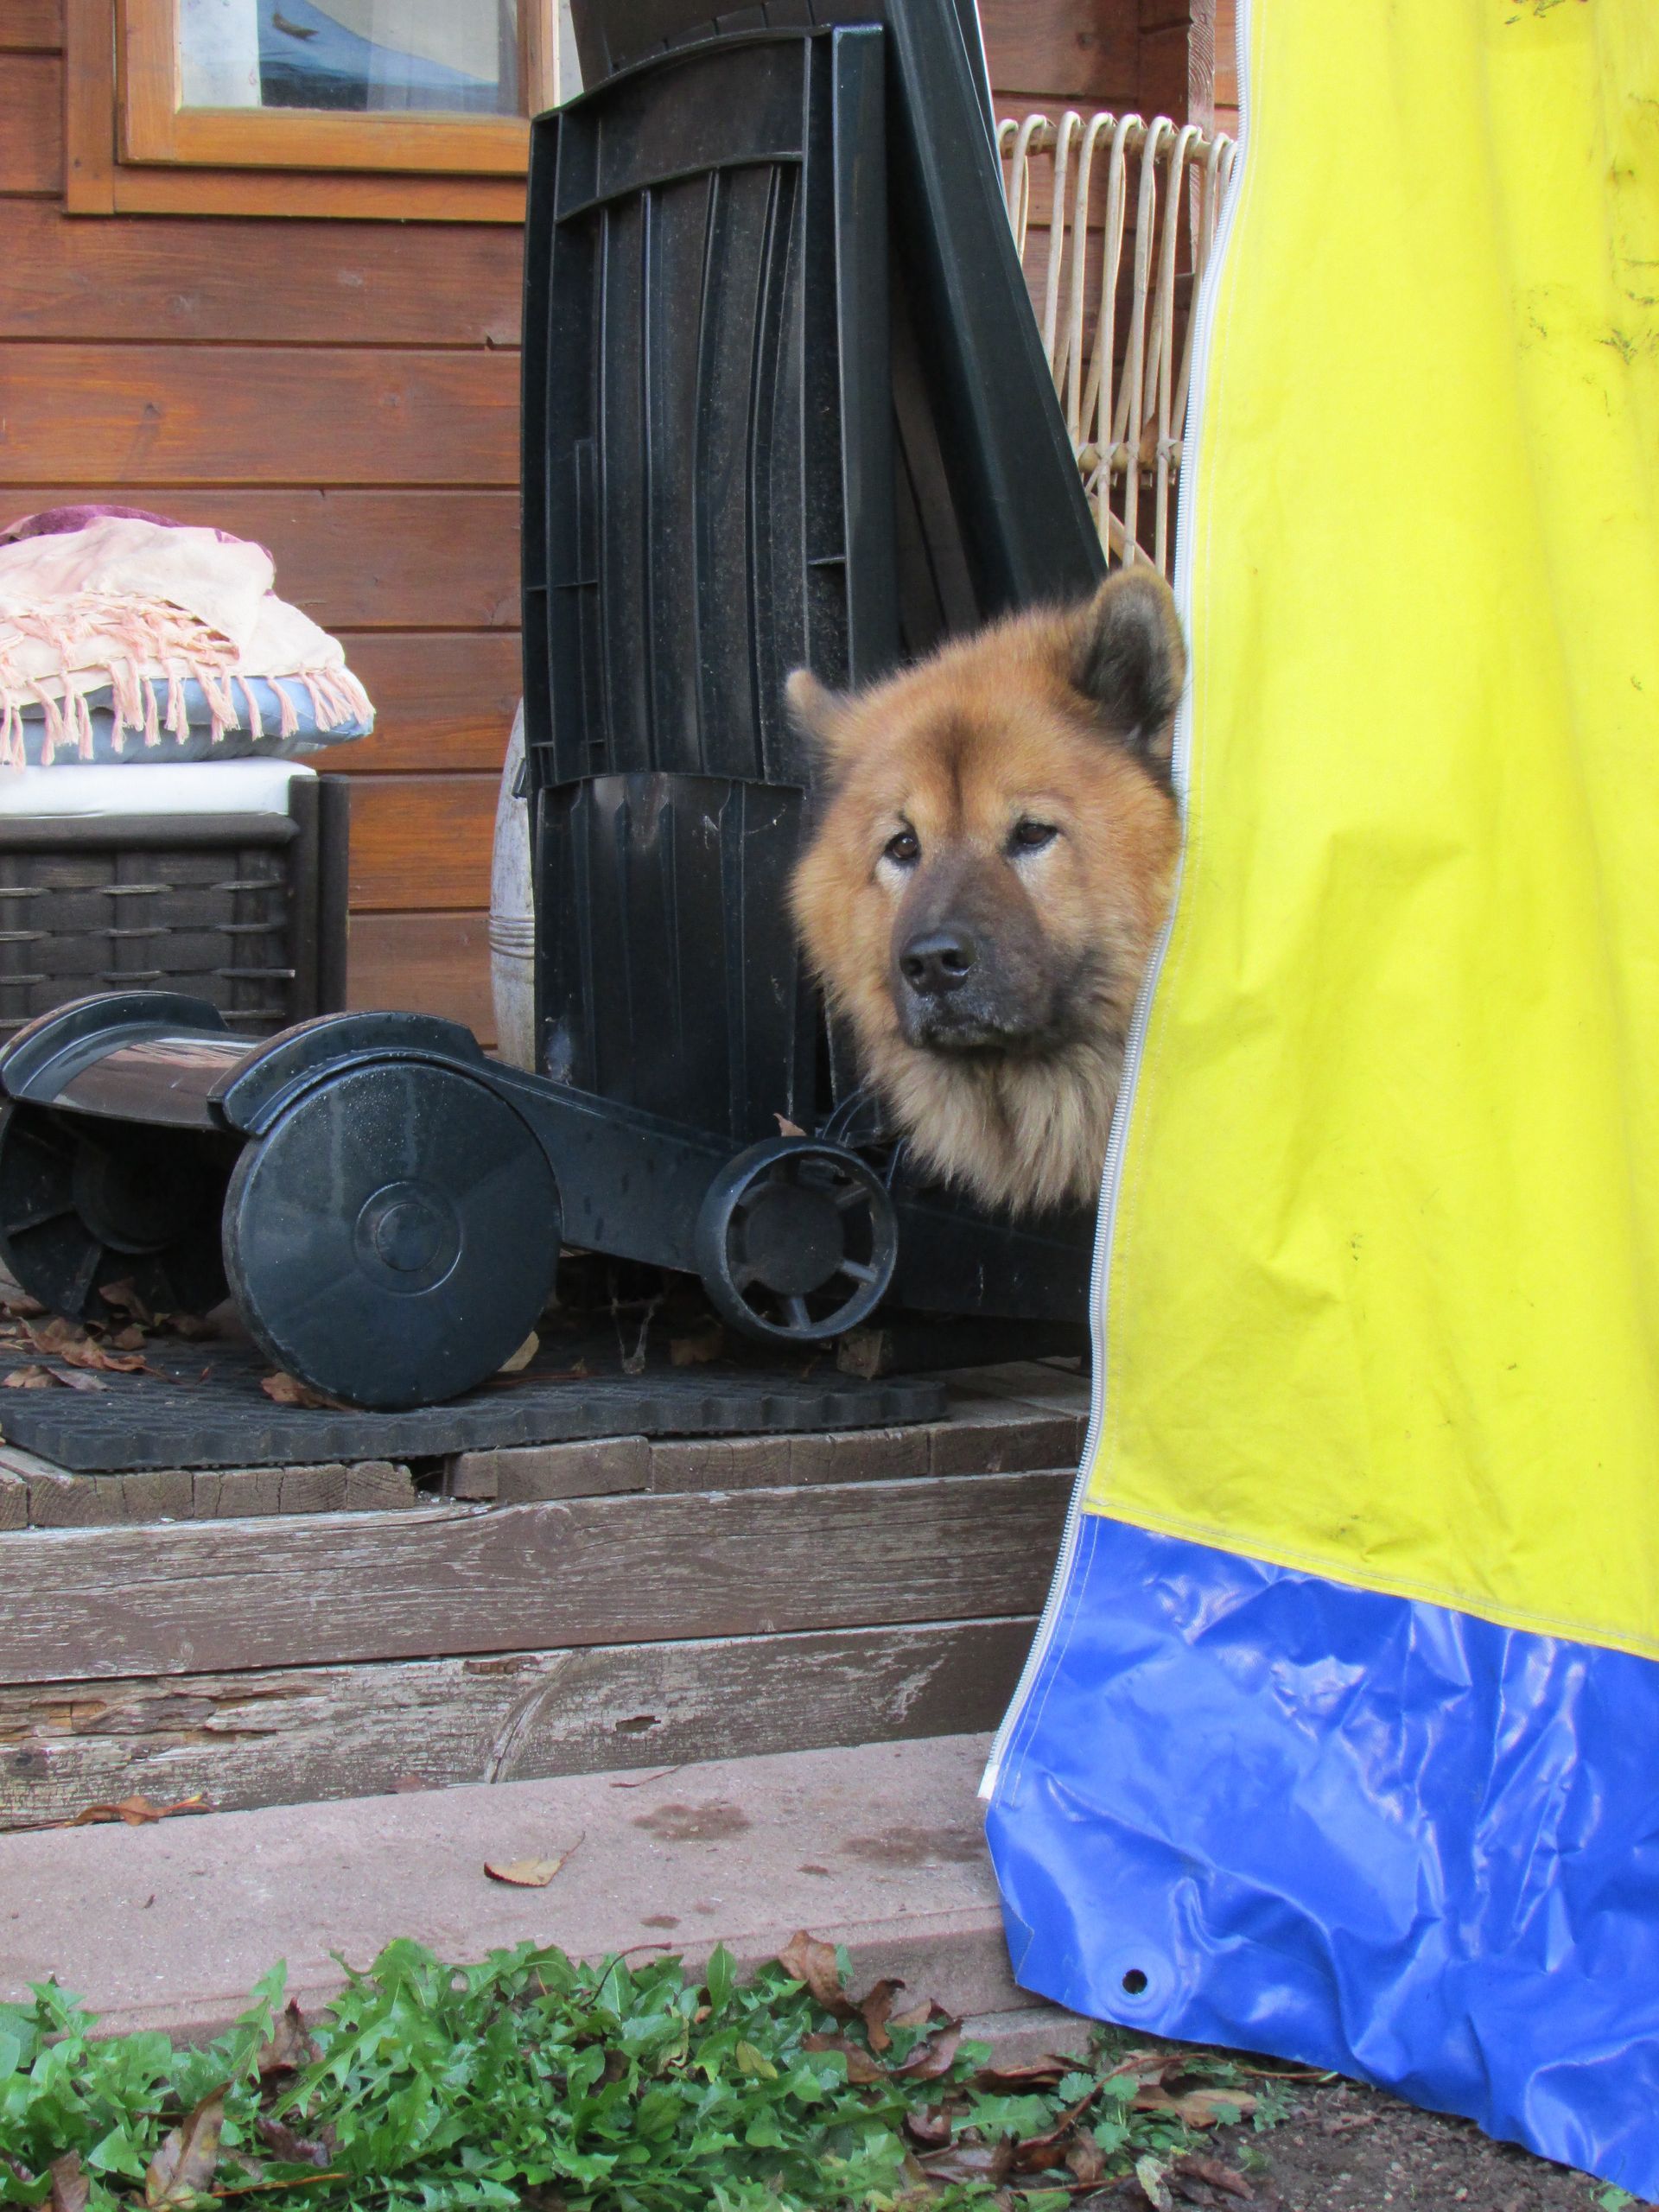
(31, 152)
(346, 392)
(31, 27)
(145, 413)
(1227, 66)
(214, 280)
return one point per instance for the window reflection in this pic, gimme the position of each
(455, 57)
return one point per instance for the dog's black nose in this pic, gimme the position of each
(938, 962)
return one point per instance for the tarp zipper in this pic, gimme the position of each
(1112, 1177)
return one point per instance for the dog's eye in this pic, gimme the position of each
(1028, 836)
(905, 849)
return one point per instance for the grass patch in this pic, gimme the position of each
(533, 2083)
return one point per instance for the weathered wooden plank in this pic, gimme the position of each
(442, 701)
(522, 1474)
(152, 415)
(421, 841)
(1077, 48)
(424, 963)
(317, 1732)
(60, 1500)
(190, 1598)
(143, 279)
(31, 26)
(31, 123)
(353, 560)
(990, 1436)
(1005, 1440)
(35, 1494)
(1023, 1382)
(986, 1435)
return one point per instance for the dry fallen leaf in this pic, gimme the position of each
(70, 2188)
(522, 1358)
(75, 1378)
(1346, 2122)
(194, 1327)
(27, 1378)
(1040, 2073)
(806, 1959)
(699, 1348)
(932, 2058)
(55, 1334)
(1086, 2162)
(1150, 2173)
(1197, 2107)
(294, 2148)
(875, 2009)
(530, 1873)
(1038, 2154)
(860, 2067)
(288, 1390)
(58, 1339)
(930, 2125)
(182, 2169)
(786, 1127)
(990, 2163)
(123, 1298)
(137, 1812)
(290, 2046)
(1213, 2174)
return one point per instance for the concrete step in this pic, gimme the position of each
(879, 1847)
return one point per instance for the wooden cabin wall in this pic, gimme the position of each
(1226, 67)
(347, 394)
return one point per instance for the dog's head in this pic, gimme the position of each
(992, 857)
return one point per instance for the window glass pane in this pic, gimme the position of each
(455, 57)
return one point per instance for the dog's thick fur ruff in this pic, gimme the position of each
(1056, 722)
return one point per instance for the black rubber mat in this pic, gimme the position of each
(201, 1405)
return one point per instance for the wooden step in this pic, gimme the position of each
(554, 1611)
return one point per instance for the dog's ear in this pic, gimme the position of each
(820, 716)
(1128, 658)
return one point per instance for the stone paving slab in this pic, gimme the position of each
(879, 1847)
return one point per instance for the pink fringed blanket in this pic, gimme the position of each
(131, 604)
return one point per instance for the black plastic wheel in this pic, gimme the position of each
(393, 1237)
(87, 1203)
(796, 1241)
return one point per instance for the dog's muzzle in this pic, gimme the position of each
(950, 998)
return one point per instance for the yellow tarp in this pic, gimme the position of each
(1383, 1292)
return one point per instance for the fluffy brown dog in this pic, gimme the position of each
(982, 888)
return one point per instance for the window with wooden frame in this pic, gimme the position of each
(408, 108)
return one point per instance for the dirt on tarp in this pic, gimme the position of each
(1343, 2148)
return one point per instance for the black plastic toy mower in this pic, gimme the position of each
(784, 404)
